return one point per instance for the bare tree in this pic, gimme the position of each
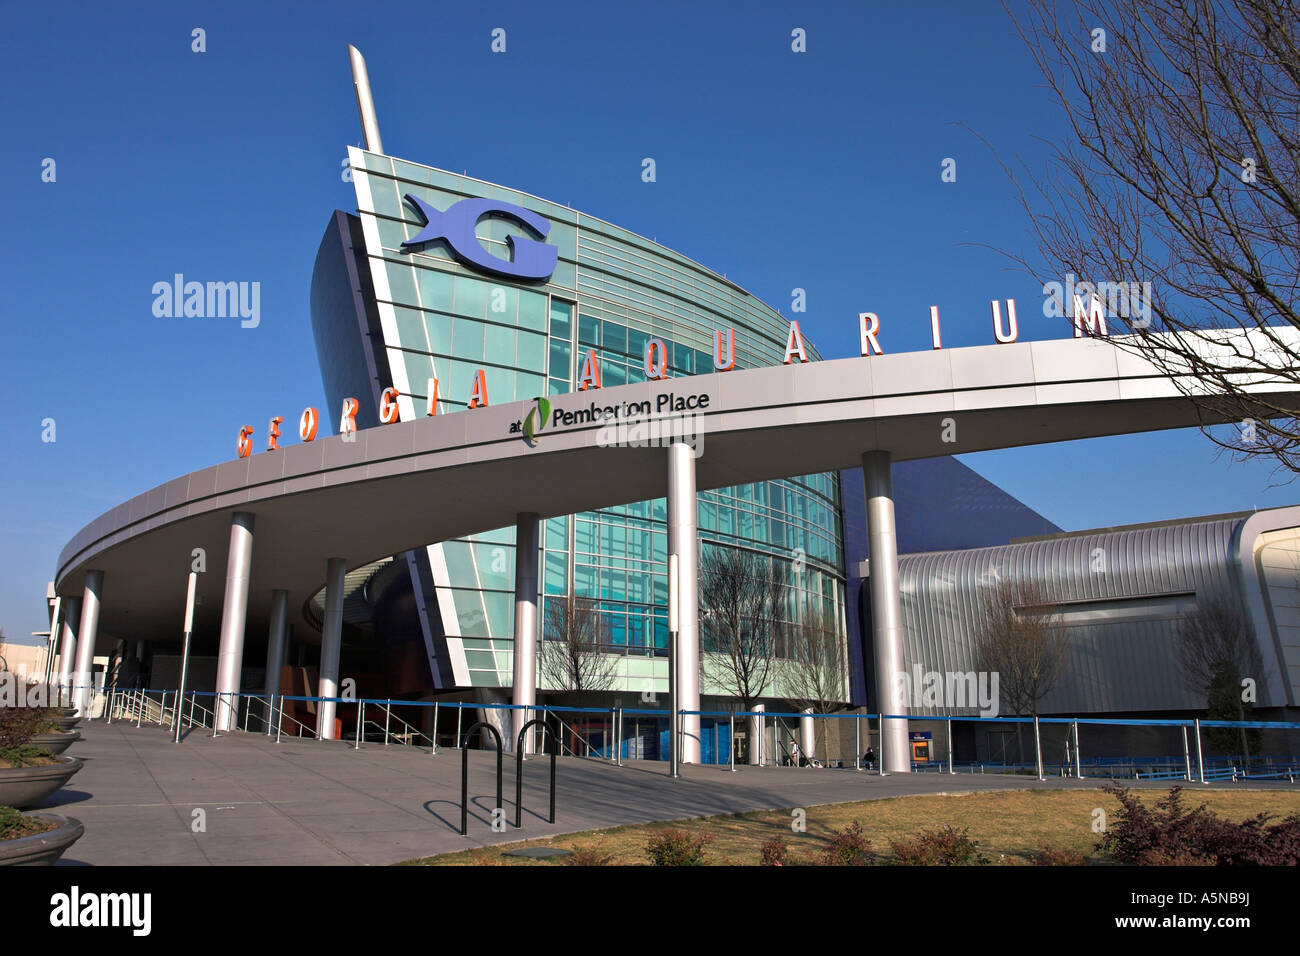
(1216, 654)
(574, 638)
(1019, 640)
(817, 673)
(1183, 171)
(741, 596)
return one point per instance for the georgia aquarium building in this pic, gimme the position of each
(427, 314)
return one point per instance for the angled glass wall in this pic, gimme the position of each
(610, 292)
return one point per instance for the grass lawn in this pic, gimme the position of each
(1009, 826)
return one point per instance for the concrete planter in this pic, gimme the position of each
(24, 786)
(67, 723)
(56, 742)
(43, 849)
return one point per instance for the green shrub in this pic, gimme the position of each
(14, 825)
(587, 856)
(1172, 835)
(847, 847)
(677, 848)
(941, 847)
(775, 853)
(17, 727)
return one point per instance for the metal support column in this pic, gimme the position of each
(68, 651)
(234, 611)
(331, 644)
(276, 638)
(886, 610)
(85, 667)
(683, 542)
(524, 687)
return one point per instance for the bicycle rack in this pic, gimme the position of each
(464, 772)
(519, 770)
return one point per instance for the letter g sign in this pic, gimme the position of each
(529, 259)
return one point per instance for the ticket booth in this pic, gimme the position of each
(921, 741)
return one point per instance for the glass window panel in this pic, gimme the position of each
(532, 310)
(559, 367)
(471, 297)
(435, 289)
(467, 339)
(503, 303)
(438, 328)
(527, 385)
(555, 573)
(531, 351)
(613, 337)
(588, 331)
(410, 329)
(499, 344)
(561, 322)
(401, 283)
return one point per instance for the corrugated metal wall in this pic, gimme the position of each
(1120, 594)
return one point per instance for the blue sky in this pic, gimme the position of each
(816, 170)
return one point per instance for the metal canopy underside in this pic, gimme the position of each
(402, 486)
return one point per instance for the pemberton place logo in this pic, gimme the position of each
(669, 419)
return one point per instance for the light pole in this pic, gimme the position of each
(673, 744)
(185, 655)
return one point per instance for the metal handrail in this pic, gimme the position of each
(573, 753)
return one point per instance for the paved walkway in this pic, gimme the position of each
(311, 802)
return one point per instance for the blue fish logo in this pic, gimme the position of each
(529, 259)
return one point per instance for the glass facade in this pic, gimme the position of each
(610, 292)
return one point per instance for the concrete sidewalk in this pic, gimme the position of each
(313, 802)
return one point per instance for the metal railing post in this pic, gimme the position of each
(618, 736)
(162, 707)
(613, 733)
(279, 724)
(216, 709)
(881, 755)
(731, 740)
(388, 713)
(857, 744)
(361, 716)
(1187, 758)
(1038, 749)
(951, 770)
(1078, 757)
(1200, 759)
(434, 736)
